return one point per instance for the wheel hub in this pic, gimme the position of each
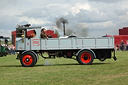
(85, 57)
(27, 59)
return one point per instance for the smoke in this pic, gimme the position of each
(77, 29)
(48, 63)
(70, 32)
(82, 30)
(60, 21)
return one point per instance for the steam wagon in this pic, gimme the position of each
(85, 50)
(3, 49)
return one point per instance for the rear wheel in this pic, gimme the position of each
(85, 57)
(28, 59)
(102, 55)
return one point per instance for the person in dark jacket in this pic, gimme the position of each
(43, 34)
(122, 46)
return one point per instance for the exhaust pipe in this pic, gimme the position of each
(64, 27)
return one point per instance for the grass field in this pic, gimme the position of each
(62, 71)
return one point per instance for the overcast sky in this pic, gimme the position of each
(95, 18)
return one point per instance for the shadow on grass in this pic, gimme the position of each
(71, 64)
(10, 65)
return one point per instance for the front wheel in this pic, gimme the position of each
(28, 59)
(85, 57)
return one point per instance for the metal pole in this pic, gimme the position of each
(64, 28)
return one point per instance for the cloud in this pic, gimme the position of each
(5, 33)
(52, 10)
(105, 1)
(36, 21)
(91, 17)
(7, 3)
(7, 24)
(98, 17)
(76, 9)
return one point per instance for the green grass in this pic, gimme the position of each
(62, 71)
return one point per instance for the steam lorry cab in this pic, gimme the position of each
(85, 50)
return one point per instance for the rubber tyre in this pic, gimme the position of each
(28, 59)
(85, 58)
(102, 56)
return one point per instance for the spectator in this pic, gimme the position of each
(9, 50)
(117, 47)
(127, 45)
(122, 46)
(13, 49)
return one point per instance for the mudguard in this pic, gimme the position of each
(86, 49)
(37, 57)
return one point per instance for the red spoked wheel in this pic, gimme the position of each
(28, 59)
(85, 57)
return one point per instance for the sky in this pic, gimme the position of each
(86, 18)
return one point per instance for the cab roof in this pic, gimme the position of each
(1, 37)
(23, 28)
